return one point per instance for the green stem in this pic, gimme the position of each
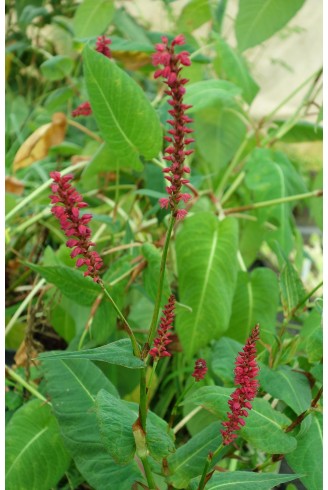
(143, 399)
(272, 202)
(23, 305)
(204, 479)
(148, 473)
(40, 189)
(127, 328)
(234, 162)
(160, 284)
(25, 384)
(153, 369)
(175, 408)
(290, 96)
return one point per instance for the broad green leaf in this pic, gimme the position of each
(270, 175)
(203, 94)
(206, 251)
(188, 461)
(119, 352)
(252, 235)
(193, 15)
(57, 67)
(233, 66)
(245, 480)
(73, 386)
(257, 20)
(262, 419)
(160, 440)
(307, 457)
(151, 273)
(312, 336)
(115, 422)
(287, 385)
(114, 97)
(62, 322)
(301, 132)
(92, 18)
(35, 453)
(224, 355)
(291, 288)
(70, 282)
(255, 300)
(105, 160)
(220, 131)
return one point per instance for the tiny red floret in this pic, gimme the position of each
(164, 334)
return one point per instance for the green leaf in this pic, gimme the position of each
(247, 480)
(35, 453)
(301, 132)
(270, 175)
(188, 461)
(193, 15)
(115, 422)
(233, 66)
(91, 19)
(114, 96)
(62, 322)
(73, 386)
(255, 300)
(312, 336)
(151, 273)
(105, 160)
(257, 20)
(225, 352)
(206, 251)
(119, 352)
(57, 67)
(291, 288)
(262, 419)
(287, 385)
(220, 131)
(203, 94)
(70, 282)
(307, 457)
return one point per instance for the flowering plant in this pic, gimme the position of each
(160, 349)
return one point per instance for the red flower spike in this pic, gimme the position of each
(175, 153)
(73, 224)
(102, 46)
(163, 337)
(200, 369)
(82, 110)
(245, 373)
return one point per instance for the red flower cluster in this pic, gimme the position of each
(74, 225)
(245, 372)
(163, 338)
(178, 139)
(200, 369)
(102, 46)
(84, 109)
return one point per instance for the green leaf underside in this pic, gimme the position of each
(255, 301)
(193, 15)
(291, 288)
(287, 385)
(35, 453)
(57, 67)
(262, 419)
(220, 131)
(244, 480)
(257, 20)
(209, 247)
(70, 282)
(114, 96)
(307, 457)
(91, 18)
(203, 94)
(73, 386)
(234, 67)
(188, 461)
(119, 352)
(115, 419)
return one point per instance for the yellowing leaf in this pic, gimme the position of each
(38, 143)
(14, 186)
(132, 60)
